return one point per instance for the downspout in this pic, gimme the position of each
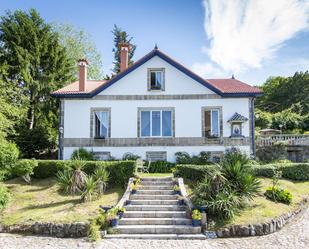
(60, 130)
(252, 129)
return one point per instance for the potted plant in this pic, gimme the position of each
(136, 180)
(133, 188)
(176, 190)
(181, 201)
(120, 212)
(112, 217)
(196, 218)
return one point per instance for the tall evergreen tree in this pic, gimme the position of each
(121, 36)
(37, 64)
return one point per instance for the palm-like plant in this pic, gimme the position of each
(89, 192)
(102, 176)
(64, 180)
(78, 176)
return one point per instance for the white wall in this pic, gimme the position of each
(118, 152)
(188, 115)
(176, 82)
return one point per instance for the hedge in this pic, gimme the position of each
(120, 171)
(192, 172)
(161, 167)
(292, 171)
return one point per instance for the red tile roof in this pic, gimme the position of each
(73, 88)
(233, 86)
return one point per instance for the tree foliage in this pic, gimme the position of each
(79, 45)
(121, 36)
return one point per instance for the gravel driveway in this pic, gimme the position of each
(294, 235)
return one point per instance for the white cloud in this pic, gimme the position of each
(207, 70)
(244, 33)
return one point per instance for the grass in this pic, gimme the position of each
(42, 201)
(155, 174)
(261, 209)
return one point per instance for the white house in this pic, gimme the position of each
(154, 108)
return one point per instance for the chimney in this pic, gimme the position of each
(124, 56)
(83, 64)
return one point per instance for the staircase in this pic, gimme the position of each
(154, 213)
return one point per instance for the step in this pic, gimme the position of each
(154, 214)
(157, 183)
(155, 187)
(157, 179)
(155, 221)
(157, 236)
(154, 208)
(153, 197)
(154, 202)
(155, 229)
(154, 192)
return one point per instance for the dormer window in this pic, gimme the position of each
(156, 79)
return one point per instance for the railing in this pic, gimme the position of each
(285, 138)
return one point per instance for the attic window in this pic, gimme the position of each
(156, 79)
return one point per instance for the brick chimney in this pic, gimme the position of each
(83, 64)
(124, 56)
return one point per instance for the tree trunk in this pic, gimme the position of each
(31, 118)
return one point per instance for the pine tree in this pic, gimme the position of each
(121, 36)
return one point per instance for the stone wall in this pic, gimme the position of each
(261, 229)
(68, 230)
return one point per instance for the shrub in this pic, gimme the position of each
(64, 180)
(4, 197)
(25, 168)
(82, 154)
(278, 195)
(275, 152)
(102, 176)
(78, 176)
(130, 156)
(184, 158)
(161, 167)
(193, 172)
(94, 231)
(8, 155)
(292, 171)
(89, 192)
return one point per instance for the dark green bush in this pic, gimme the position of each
(161, 167)
(201, 159)
(8, 155)
(193, 172)
(292, 171)
(267, 154)
(82, 154)
(120, 171)
(130, 156)
(278, 195)
(25, 167)
(4, 197)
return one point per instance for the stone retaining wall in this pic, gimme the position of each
(261, 229)
(70, 230)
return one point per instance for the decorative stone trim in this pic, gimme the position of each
(209, 108)
(99, 109)
(126, 195)
(155, 141)
(149, 70)
(184, 193)
(154, 97)
(60, 230)
(139, 109)
(264, 228)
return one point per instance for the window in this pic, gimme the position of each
(156, 123)
(211, 123)
(156, 79)
(101, 123)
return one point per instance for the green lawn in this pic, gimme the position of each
(260, 209)
(42, 201)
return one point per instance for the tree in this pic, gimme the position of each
(79, 45)
(121, 36)
(36, 64)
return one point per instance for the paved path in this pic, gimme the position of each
(292, 236)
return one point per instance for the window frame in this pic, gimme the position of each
(161, 110)
(93, 122)
(220, 123)
(149, 71)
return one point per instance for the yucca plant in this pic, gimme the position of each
(89, 192)
(102, 176)
(64, 180)
(78, 176)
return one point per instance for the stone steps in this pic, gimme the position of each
(155, 221)
(156, 187)
(157, 229)
(153, 197)
(154, 214)
(199, 236)
(154, 202)
(155, 192)
(155, 208)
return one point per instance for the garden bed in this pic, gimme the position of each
(41, 201)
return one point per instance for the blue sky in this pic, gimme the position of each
(215, 38)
